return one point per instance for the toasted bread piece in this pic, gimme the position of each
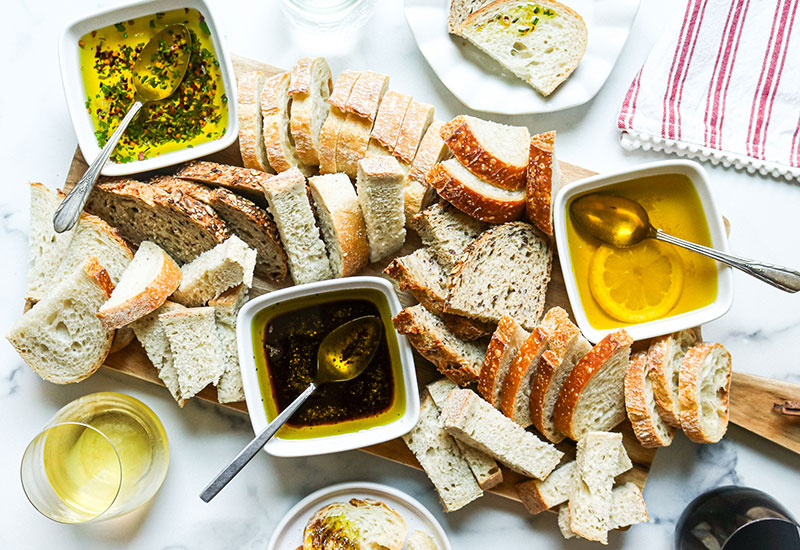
(380, 193)
(251, 136)
(244, 181)
(543, 179)
(503, 348)
(357, 524)
(275, 106)
(705, 383)
(538, 496)
(665, 356)
(651, 430)
(310, 87)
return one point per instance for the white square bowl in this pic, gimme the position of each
(72, 80)
(334, 443)
(716, 227)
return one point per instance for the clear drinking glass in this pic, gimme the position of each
(99, 457)
(328, 15)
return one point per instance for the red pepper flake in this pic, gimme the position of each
(81, 43)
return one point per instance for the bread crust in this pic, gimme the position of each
(250, 138)
(545, 377)
(691, 387)
(501, 344)
(539, 179)
(272, 112)
(664, 389)
(352, 143)
(432, 300)
(327, 141)
(342, 88)
(246, 181)
(417, 119)
(466, 328)
(122, 338)
(636, 404)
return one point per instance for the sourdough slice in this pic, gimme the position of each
(705, 384)
(380, 194)
(388, 121)
(215, 271)
(503, 348)
(94, 237)
(474, 196)
(418, 118)
(195, 349)
(251, 137)
(150, 333)
(543, 179)
(505, 271)
(290, 208)
(420, 274)
(460, 10)
(147, 283)
(226, 308)
(244, 181)
(419, 540)
(651, 430)
(665, 356)
(310, 87)
(359, 524)
(332, 125)
(538, 496)
(447, 231)
(60, 337)
(593, 396)
(495, 153)
(184, 227)
(542, 45)
(563, 522)
(342, 223)
(441, 459)
(275, 107)
(458, 360)
(485, 469)
(474, 421)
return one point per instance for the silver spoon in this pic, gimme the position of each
(163, 76)
(343, 354)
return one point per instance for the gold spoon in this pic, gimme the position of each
(158, 71)
(343, 354)
(623, 223)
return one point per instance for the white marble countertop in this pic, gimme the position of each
(761, 330)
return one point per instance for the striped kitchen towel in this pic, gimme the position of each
(723, 86)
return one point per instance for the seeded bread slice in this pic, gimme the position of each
(226, 308)
(251, 137)
(275, 105)
(543, 179)
(705, 383)
(538, 496)
(447, 231)
(332, 125)
(420, 274)
(380, 194)
(503, 348)
(244, 181)
(665, 356)
(651, 430)
(150, 333)
(310, 87)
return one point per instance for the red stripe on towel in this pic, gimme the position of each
(688, 16)
(687, 65)
(716, 81)
(717, 130)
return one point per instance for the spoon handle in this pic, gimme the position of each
(247, 454)
(780, 277)
(69, 211)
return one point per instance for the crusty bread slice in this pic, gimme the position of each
(541, 45)
(290, 208)
(420, 274)
(329, 133)
(474, 421)
(503, 348)
(342, 223)
(485, 469)
(495, 153)
(664, 357)
(474, 196)
(651, 430)
(275, 108)
(226, 307)
(447, 231)
(366, 95)
(432, 149)
(380, 193)
(244, 181)
(460, 10)
(310, 87)
(388, 121)
(458, 360)
(342, 89)
(251, 136)
(441, 459)
(416, 197)
(705, 383)
(215, 271)
(418, 118)
(543, 179)
(60, 337)
(150, 333)
(147, 283)
(514, 261)
(92, 236)
(627, 508)
(538, 496)
(352, 141)
(419, 540)
(593, 396)
(360, 524)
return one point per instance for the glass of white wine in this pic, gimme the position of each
(101, 456)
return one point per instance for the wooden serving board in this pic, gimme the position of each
(133, 361)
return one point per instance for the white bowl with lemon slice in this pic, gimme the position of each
(652, 288)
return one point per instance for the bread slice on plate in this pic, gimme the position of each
(150, 333)
(593, 396)
(495, 153)
(503, 348)
(460, 10)
(538, 496)
(705, 384)
(333, 124)
(664, 357)
(251, 136)
(419, 117)
(543, 182)
(419, 540)
(310, 86)
(147, 283)
(388, 121)
(244, 181)
(380, 194)
(275, 105)
(542, 44)
(651, 430)
(60, 337)
(420, 274)
(441, 459)
(447, 231)
(358, 524)
(226, 308)
(513, 260)
(457, 359)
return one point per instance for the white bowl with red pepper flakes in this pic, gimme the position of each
(96, 55)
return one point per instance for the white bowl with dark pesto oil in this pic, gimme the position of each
(96, 54)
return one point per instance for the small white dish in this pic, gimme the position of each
(286, 447)
(72, 80)
(480, 83)
(288, 535)
(716, 227)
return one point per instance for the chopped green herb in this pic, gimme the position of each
(120, 27)
(204, 27)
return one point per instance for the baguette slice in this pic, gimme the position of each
(380, 194)
(361, 107)
(651, 430)
(665, 356)
(475, 422)
(366, 95)
(357, 524)
(147, 283)
(150, 332)
(495, 153)
(420, 274)
(474, 196)
(538, 496)
(251, 137)
(447, 231)
(388, 122)
(593, 396)
(432, 149)
(310, 87)
(441, 459)
(418, 118)
(543, 179)
(705, 384)
(542, 49)
(503, 348)
(244, 181)
(60, 337)
(226, 307)
(329, 133)
(275, 105)
(342, 89)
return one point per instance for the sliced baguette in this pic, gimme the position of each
(310, 87)
(352, 141)
(380, 194)
(388, 121)
(503, 348)
(705, 383)
(329, 133)
(275, 106)
(150, 332)
(538, 496)
(665, 356)
(416, 121)
(226, 307)
(651, 430)
(416, 197)
(366, 94)
(251, 137)
(244, 181)
(432, 149)
(543, 179)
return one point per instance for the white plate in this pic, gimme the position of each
(481, 83)
(288, 534)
